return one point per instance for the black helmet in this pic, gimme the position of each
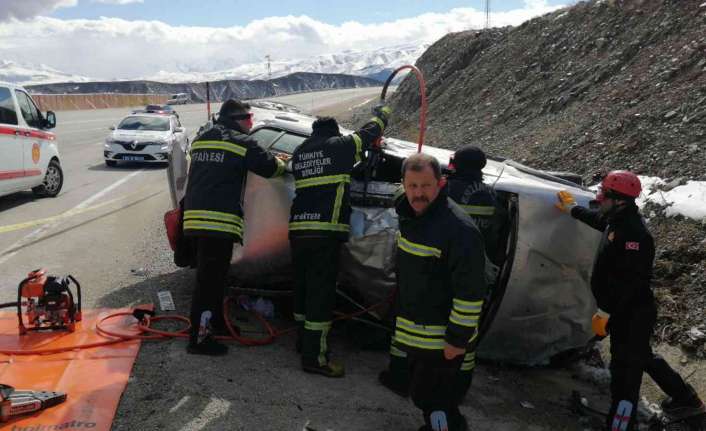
(469, 158)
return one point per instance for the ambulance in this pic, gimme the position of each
(29, 154)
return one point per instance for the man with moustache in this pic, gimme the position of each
(441, 282)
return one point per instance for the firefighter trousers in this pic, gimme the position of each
(213, 256)
(315, 272)
(631, 355)
(436, 385)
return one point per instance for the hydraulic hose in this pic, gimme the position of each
(423, 105)
(142, 330)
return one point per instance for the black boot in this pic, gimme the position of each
(686, 406)
(394, 382)
(208, 346)
(330, 369)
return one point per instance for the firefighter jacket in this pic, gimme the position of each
(440, 276)
(622, 269)
(480, 202)
(220, 160)
(322, 167)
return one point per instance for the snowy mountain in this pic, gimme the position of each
(27, 74)
(376, 64)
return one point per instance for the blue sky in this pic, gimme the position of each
(225, 13)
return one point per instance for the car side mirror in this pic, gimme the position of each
(179, 130)
(111, 128)
(50, 120)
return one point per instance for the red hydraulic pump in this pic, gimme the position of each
(47, 303)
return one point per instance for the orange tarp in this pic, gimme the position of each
(93, 379)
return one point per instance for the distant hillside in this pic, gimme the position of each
(220, 90)
(599, 86)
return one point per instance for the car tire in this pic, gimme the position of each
(111, 163)
(53, 181)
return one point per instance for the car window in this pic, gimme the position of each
(29, 112)
(265, 137)
(8, 115)
(288, 143)
(153, 124)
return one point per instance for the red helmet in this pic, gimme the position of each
(623, 182)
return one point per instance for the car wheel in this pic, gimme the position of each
(53, 181)
(111, 163)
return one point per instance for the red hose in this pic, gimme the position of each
(423, 93)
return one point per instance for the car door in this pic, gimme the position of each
(34, 140)
(11, 163)
(179, 134)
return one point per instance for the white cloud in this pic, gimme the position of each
(116, 48)
(120, 2)
(24, 9)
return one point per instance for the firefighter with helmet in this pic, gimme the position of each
(221, 157)
(620, 282)
(319, 225)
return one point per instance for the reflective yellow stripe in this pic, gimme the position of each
(281, 167)
(316, 326)
(320, 181)
(419, 342)
(358, 147)
(212, 226)
(379, 122)
(219, 145)
(299, 317)
(463, 320)
(467, 306)
(478, 210)
(338, 202)
(416, 249)
(317, 225)
(394, 351)
(468, 366)
(323, 346)
(426, 330)
(213, 215)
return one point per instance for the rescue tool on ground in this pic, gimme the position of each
(47, 303)
(15, 402)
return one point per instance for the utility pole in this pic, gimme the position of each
(269, 67)
(487, 14)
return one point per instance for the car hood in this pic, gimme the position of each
(139, 135)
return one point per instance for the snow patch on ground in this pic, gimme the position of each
(688, 200)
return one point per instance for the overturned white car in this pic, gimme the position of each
(542, 303)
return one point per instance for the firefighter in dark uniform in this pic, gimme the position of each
(320, 224)
(478, 200)
(620, 282)
(221, 157)
(441, 282)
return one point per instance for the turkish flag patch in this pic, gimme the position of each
(632, 245)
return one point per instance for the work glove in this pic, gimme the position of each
(566, 201)
(599, 323)
(383, 112)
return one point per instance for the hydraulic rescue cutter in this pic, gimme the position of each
(47, 303)
(15, 402)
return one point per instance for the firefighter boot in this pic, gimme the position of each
(687, 406)
(329, 369)
(396, 382)
(201, 341)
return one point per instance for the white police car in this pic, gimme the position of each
(29, 155)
